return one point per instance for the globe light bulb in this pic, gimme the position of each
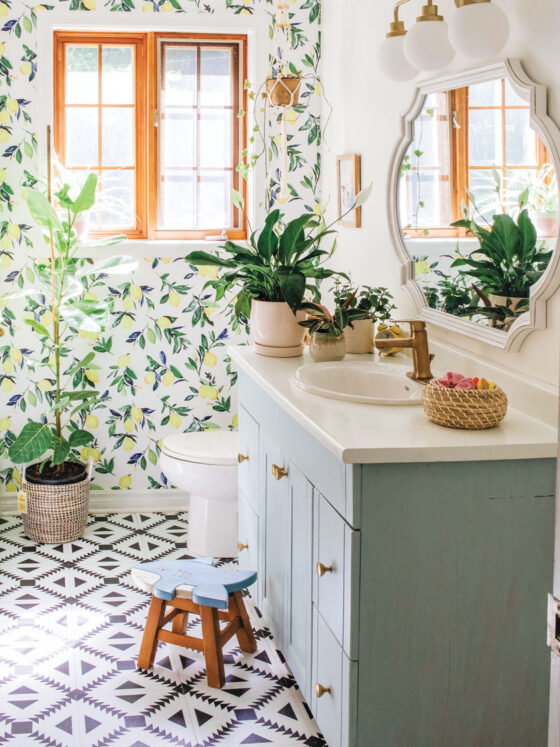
(427, 46)
(392, 61)
(478, 29)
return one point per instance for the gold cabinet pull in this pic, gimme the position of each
(322, 569)
(279, 472)
(320, 690)
(241, 546)
(242, 458)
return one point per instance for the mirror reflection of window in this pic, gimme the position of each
(476, 140)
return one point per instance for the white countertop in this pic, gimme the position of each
(369, 434)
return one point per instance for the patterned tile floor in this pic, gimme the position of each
(70, 629)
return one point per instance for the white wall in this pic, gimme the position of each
(366, 120)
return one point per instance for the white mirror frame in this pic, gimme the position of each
(549, 133)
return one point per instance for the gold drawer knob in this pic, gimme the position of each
(322, 569)
(320, 690)
(242, 458)
(279, 472)
(241, 546)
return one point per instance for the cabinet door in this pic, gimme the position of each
(248, 538)
(248, 447)
(276, 540)
(297, 639)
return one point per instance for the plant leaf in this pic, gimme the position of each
(80, 438)
(292, 285)
(115, 265)
(32, 442)
(61, 449)
(42, 211)
(86, 199)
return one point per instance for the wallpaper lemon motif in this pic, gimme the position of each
(163, 366)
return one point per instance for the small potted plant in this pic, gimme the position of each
(375, 304)
(326, 329)
(283, 86)
(55, 486)
(543, 201)
(271, 274)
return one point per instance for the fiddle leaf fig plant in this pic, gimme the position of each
(64, 280)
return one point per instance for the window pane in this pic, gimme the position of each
(215, 77)
(179, 80)
(486, 94)
(215, 200)
(117, 75)
(179, 200)
(215, 138)
(485, 137)
(517, 180)
(81, 137)
(521, 143)
(117, 203)
(178, 138)
(117, 137)
(82, 83)
(512, 98)
(483, 186)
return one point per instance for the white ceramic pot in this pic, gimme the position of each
(324, 347)
(359, 337)
(275, 330)
(547, 224)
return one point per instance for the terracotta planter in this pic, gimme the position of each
(283, 91)
(547, 224)
(359, 337)
(275, 330)
(324, 347)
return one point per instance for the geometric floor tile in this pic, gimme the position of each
(71, 622)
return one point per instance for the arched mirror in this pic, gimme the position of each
(473, 203)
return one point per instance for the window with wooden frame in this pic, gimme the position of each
(155, 115)
(462, 138)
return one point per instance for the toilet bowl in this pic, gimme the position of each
(204, 464)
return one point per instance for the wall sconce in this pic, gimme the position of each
(479, 28)
(391, 53)
(427, 45)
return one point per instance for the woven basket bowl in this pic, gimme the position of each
(56, 513)
(283, 91)
(464, 408)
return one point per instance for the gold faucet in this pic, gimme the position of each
(418, 342)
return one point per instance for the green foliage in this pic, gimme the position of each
(280, 263)
(61, 279)
(375, 303)
(508, 261)
(320, 319)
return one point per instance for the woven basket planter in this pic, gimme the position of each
(283, 91)
(56, 513)
(464, 408)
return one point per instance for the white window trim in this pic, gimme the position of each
(256, 28)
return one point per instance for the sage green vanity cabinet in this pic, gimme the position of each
(427, 624)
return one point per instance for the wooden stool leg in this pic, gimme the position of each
(245, 635)
(215, 673)
(180, 622)
(149, 639)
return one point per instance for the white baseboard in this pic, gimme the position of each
(119, 501)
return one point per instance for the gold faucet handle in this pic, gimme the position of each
(415, 324)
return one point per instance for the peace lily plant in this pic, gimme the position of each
(272, 273)
(55, 437)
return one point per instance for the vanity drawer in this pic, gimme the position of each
(336, 564)
(248, 534)
(248, 448)
(334, 692)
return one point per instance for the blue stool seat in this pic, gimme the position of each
(211, 586)
(195, 586)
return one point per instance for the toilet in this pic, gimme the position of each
(204, 464)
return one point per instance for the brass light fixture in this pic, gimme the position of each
(478, 29)
(427, 44)
(391, 56)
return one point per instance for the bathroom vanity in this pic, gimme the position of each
(403, 567)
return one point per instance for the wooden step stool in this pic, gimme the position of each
(198, 587)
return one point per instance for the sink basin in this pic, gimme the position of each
(360, 381)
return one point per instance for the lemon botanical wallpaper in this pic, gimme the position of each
(162, 366)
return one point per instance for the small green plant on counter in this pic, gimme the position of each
(321, 320)
(63, 279)
(543, 191)
(375, 303)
